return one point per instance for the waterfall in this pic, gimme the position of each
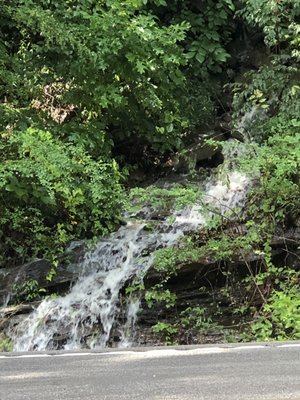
(86, 315)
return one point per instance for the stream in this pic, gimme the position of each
(85, 317)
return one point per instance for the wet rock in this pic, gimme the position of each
(37, 270)
(13, 277)
(193, 156)
(75, 253)
(203, 284)
(11, 316)
(196, 284)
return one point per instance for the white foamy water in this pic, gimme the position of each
(70, 321)
(221, 196)
(86, 315)
(248, 119)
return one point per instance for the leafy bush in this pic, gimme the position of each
(6, 345)
(158, 295)
(277, 19)
(196, 321)
(271, 99)
(166, 330)
(129, 77)
(173, 197)
(28, 291)
(280, 317)
(278, 162)
(210, 29)
(82, 80)
(51, 193)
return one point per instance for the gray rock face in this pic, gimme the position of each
(187, 160)
(11, 278)
(39, 270)
(12, 315)
(198, 284)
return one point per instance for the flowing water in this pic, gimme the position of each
(86, 315)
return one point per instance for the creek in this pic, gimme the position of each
(86, 316)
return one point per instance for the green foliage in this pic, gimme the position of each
(278, 163)
(210, 28)
(277, 19)
(166, 330)
(28, 291)
(158, 295)
(196, 321)
(167, 261)
(193, 321)
(6, 345)
(271, 96)
(81, 80)
(280, 317)
(134, 288)
(272, 92)
(127, 76)
(84, 83)
(222, 246)
(50, 194)
(164, 199)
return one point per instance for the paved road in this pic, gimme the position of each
(236, 372)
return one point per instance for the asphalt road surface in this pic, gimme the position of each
(234, 372)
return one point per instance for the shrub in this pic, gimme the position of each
(51, 193)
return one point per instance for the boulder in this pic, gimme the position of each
(193, 156)
(40, 270)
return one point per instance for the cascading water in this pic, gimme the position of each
(86, 315)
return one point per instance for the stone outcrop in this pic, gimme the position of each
(204, 284)
(191, 157)
(198, 284)
(39, 270)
